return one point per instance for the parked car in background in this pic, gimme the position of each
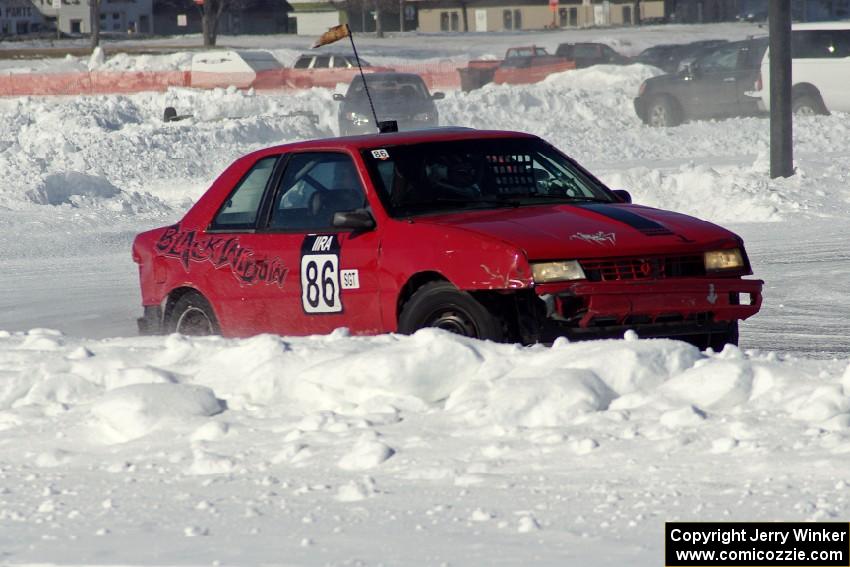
(523, 65)
(711, 86)
(402, 97)
(328, 61)
(486, 234)
(668, 56)
(820, 69)
(588, 54)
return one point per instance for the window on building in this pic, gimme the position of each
(562, 18)
(507, 20)
(444, 21)
(76, 26)
(627, 15)
(455, 25)
(574, 17)
(517, 19)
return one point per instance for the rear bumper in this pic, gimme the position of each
(665, 308)
(640, 107)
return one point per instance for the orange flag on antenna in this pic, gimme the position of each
(336, 33)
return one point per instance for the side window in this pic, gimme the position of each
(314, 186)
(303, 62)
(241, 208)
(817, 44)
(721, 60)
(842, 43)
(322, 62)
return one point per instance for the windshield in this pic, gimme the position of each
(477, 174)
(393, 87)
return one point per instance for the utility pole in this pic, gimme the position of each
(781, 127)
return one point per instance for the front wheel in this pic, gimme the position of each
(716, 341)
(192, 315)
(662, 112)
(442, 305)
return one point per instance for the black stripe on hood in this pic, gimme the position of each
(637, 222)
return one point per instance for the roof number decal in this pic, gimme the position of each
(380, 154)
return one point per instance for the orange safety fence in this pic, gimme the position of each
(442, 75)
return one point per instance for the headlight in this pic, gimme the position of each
(423, 116)
(720, 260)
(357, 118)
(547, 272)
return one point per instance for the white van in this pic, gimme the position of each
(820, 69)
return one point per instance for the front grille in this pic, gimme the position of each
(644, 268)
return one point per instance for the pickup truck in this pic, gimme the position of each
(521, 65)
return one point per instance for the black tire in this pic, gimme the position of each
(663, 112)
(192, 315)
(716, 341)
(807, 105)
(442, 305)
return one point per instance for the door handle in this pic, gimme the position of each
(729, 80)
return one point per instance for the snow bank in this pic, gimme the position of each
(134, 384)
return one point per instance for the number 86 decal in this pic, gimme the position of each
(320, 292)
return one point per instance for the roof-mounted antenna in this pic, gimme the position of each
(336, 33)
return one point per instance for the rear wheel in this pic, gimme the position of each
(807, 105)
(192, 315)
(442, 305)
(662, 112)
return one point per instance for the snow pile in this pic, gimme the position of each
(134, 411)
(136, 383)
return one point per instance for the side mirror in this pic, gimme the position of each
(623, 195)
(358, 219)
(338, 96)
(438, 96)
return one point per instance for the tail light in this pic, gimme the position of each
(642, 88)
(759, 83)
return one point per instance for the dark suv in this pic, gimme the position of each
(588, 54)
(710, 86)
(402, 97)
(668, 56)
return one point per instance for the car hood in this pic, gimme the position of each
(597, 230)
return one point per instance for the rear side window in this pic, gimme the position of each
(303, 62)
(820, 44)
(322, 62)
(240, 210)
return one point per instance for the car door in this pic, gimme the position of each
(713, 84)
(242, 273)
(333, 271)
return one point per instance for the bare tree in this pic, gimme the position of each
(379, 28)
(465, 16)
(94, 24)
(211, 11)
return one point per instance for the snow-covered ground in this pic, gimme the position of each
(417, 450)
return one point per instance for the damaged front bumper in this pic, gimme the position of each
(671, 308)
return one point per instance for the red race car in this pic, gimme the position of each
(495, 235)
